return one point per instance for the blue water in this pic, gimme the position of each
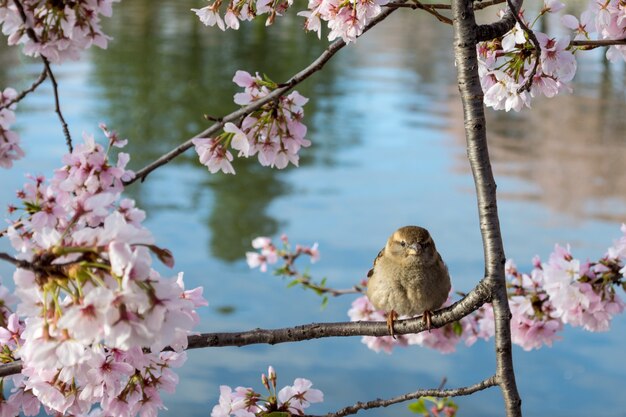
(388, 150)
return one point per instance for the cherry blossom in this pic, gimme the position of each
(245, 402)
(275, 132)
(240, 10)
(505, 66)
(62, 29)
(346, 20)
(603, 19)
(96, 313)
(10, 149)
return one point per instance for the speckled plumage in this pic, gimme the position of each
(409, 277)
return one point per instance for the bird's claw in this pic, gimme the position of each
(426, 317)
(391, 317)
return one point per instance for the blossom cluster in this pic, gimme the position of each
(10, 149)
(507, 63)
(96, 315)
(269, 254)
(563, 290)
(345, 19)
(241, 10)
(245, 402)
(62, 29)
(604, 18)
(274, 132)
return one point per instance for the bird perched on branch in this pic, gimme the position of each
(408, 276)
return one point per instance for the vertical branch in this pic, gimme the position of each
(465, 40)
(55, 88)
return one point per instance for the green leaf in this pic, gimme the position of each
(324, 302)
(457, 328)
(293, 283)
(418, 407)
(323, 282)
(277, 414)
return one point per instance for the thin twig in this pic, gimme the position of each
(597, 43)
(30, 89)
(17, 262)
(442, 393)
(430, 8)
(57, 106)
(534, 40)
(478, 5)
(311, 69)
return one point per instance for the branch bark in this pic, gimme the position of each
(27, 91)
(499, 28)
(472, 301)
(466, 37)
(441, 393)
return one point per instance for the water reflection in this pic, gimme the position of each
(568, 151)
(174, 70)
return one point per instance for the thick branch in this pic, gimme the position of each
(499, 28)
(471, 302)
(57, 106)
(442, 393)
(476, 298)
(465, 40)
(311, 69)
(29, 90)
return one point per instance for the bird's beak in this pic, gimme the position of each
(415, 249)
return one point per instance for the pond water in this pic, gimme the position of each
(388, 150)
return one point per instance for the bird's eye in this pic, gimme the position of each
(403, 243)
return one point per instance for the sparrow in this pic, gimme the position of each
(408, 277)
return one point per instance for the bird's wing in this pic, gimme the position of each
(371, 271)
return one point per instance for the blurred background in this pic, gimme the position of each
(388, 150)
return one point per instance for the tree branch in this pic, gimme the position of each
(17, 262)
(478, 5)
(57, 106)
(496, 29)
(30, 89)
(466, 34)
(430, 8)
(598, 43)
(442, 393)
(311, 69)
(471, 302)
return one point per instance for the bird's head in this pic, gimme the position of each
(411, 242)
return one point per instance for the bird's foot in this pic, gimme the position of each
(426, 317)
(391, 316)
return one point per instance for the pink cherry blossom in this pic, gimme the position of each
(214, 155)
(10, 149)
(300, 395)
(62, 31)
(89, 340)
